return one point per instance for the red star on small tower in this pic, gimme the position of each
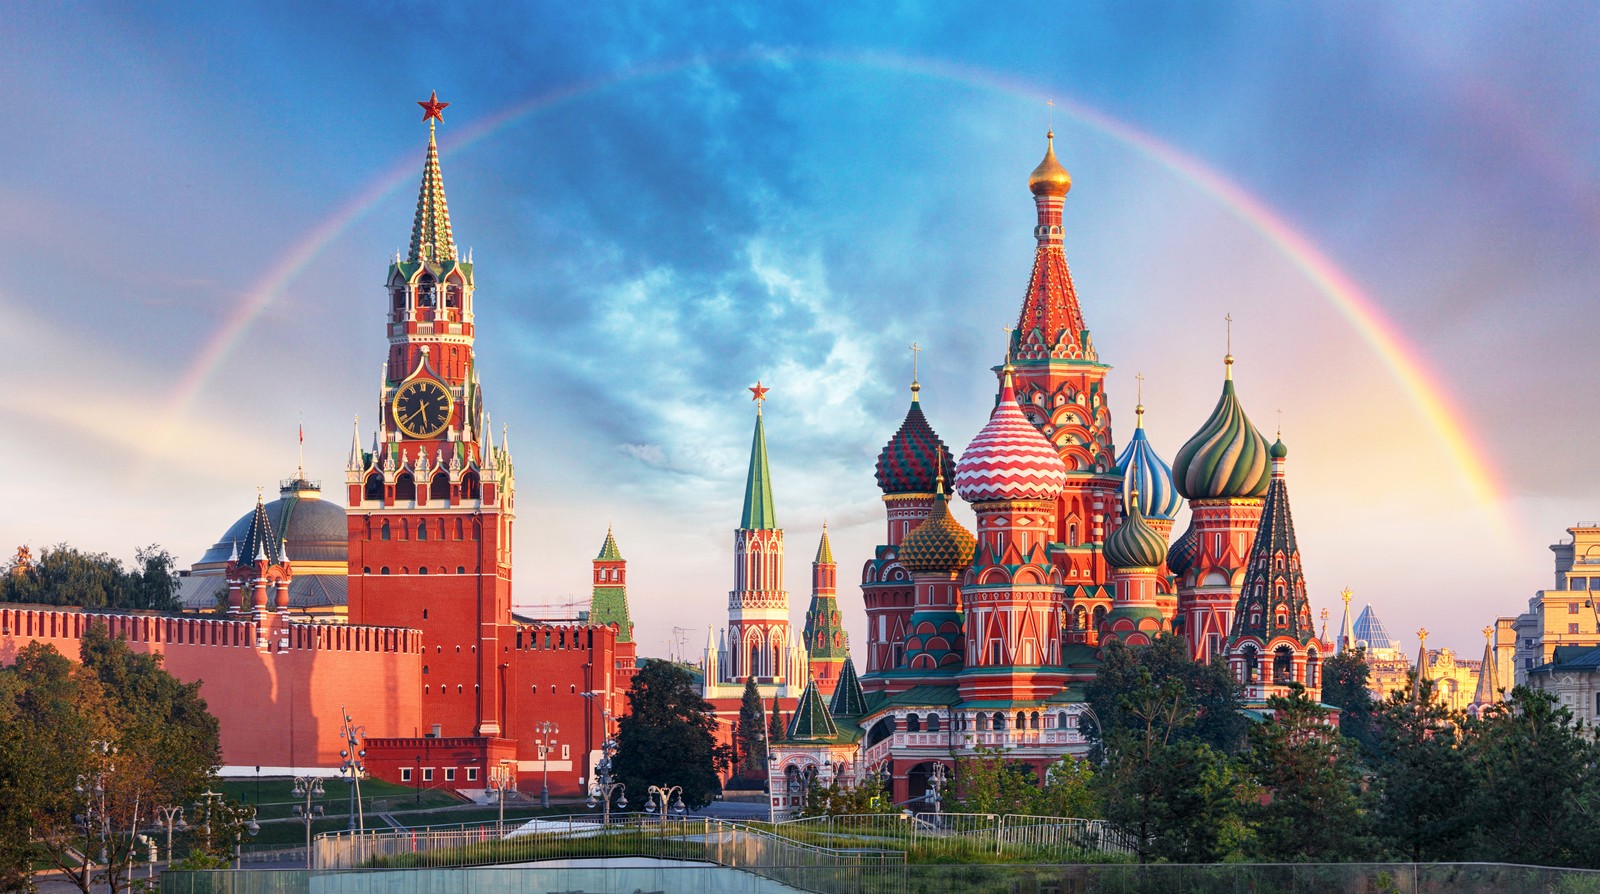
(432, 108)
(759, 394)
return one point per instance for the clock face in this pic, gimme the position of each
(422, 408)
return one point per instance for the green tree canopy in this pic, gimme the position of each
(62, 575)
(1209, 694)
(668, 737)
(750, 737)
(1312, 810)
(1345, 679)
(1420, 782)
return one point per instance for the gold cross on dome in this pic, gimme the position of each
(915, 349)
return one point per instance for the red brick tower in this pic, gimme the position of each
(759, 642)
(431, 506)
(1060, 385)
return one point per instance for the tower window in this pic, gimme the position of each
(422, 529)
(374, 488)
(383, 534)
(405, 487)
(440, 489)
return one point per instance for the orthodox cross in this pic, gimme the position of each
(914, 349)
(1229, 319)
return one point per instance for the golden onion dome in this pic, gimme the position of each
(1050, 178)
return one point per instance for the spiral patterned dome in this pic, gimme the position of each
(1134, 544)
(940, 543)
(1180, 558)
(1009, 459)
(1147, 475)
(915, 456)
(1227, 458)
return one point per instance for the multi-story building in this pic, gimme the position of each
(1568, 614)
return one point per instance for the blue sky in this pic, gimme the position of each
(727, 192)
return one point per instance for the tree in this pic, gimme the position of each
(1069, 790)
(1209, 691)
(1420, 779)
(668, 737)
(839, 799)
(53, 767)
(63, 575)
(990, 782)
(750, 736)
(1313, 810)
(1345, 679)
(1177, 797)
(1533, 768)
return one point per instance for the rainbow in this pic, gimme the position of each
(1403, 359)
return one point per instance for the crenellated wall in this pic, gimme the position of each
(276, 688)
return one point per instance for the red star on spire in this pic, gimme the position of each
(758, 393)
(432, 108)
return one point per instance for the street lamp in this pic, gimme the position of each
(238, 840)
(308, 787)
(352, 767)
(501, 777)
(936, 781)
(659, 795)
(546, 730)
(604, 785)
(170, 816)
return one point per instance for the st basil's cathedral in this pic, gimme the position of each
(986, 638)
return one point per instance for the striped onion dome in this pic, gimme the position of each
(1009, 459)
(1180, 558)
(1227, 458)
(1147, 475)
(1134, 544)
(940, 543)
(915, 456)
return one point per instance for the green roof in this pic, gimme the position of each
(811, 720)
(848, 699)
(759, 512)
(609, 551)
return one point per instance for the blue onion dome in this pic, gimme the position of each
(1180, 558)
(1227, 458)
(1134, 544)
(1147, 475)
(939, 544)
(915, 456)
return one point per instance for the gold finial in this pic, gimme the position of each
(1346, 594)
(1280, 423)
(1227, 361)
(1138, 408)
(1324, 636)
(1050, 178)
(1422, 637)
(915, 386)
(258, 495)
(1488, 633)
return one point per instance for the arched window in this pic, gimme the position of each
(459, 534)
(477, 529)
(384, 570)
(933, 723)
(1061, 720)
(422, 570)
(469, 485)
(1072, 535)
(1022, 720)
(461, 569)
(1033, 720)
(383, 532)
(440, 488)
(983, 721)
(374, 488)
(422, 529)
(405, 487)
(913, 723)
(999, 720)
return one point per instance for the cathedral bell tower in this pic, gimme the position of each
(430, 505)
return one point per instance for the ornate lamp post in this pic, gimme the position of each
(238, 841)
(352, 767)
(308, 787)
(546, 731)
(936, 782)
(604, 785)
(501, 777)
(168, 817)
(659, 795)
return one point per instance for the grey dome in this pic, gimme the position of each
(314, 529)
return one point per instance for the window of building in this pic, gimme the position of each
(405, 774)
(427, 774)
(1572, 608)
(472, 774)
(449, 774)
(1572, 628)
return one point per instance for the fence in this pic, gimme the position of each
(976, 836)
(702, 839)
(1356, 878)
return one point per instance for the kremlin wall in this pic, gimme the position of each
(395, 607)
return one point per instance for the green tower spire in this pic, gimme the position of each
(759, 512)
(609, 604)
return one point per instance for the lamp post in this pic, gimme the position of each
(308, 787)
(238, 839)
(604, 785)
(501, 777)
(170, 816)
(659, 795)
(936, 781)
(772, 807)
(352, 767)
(546, 731)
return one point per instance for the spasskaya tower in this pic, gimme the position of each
(431, 502)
